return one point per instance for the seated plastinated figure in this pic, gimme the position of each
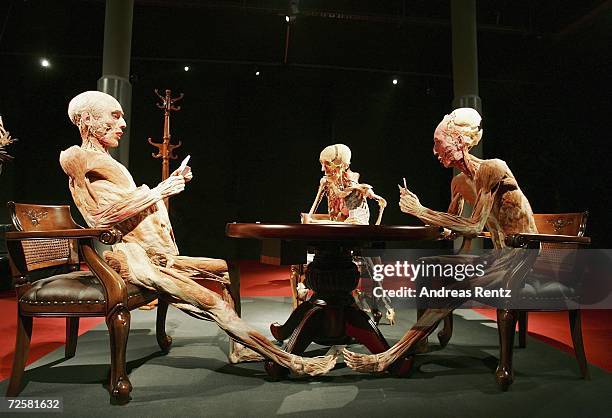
(498, 204)
(107, 196)
(347, 203)
(346, 197)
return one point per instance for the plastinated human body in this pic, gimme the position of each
(347, 203)
(498, 204)
(107, 196)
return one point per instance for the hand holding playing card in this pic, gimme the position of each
(184, 170)
(409, 202)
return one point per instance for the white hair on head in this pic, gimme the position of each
(94, 102)
(466, 121)
(338, 154)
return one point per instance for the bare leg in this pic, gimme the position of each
(230, 322)
(372, 363)
(510, 265)
(188, 295)
(390, 312)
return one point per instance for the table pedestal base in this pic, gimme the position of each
(331, 316)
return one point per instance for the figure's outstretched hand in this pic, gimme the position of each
(403, 189)
(409, 202)
(171, 186)
(186, 173)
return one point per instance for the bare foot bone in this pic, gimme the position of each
(313, 366)
(238, 353)
(364, 363)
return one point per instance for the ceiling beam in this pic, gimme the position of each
(583, 21)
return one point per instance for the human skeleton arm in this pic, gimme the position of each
(382, 204)
(319, 196)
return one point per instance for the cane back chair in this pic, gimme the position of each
(556, 233)
(47, 239)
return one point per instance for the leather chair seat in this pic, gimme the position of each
(76, 288)
(546, 293)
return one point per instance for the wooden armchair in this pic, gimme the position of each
(557, 232)
(47, 238)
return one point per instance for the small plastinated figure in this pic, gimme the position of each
(346, 197)
(498, 204)
(107, 196)
(347, 203)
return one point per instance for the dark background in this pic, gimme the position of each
(544, 82)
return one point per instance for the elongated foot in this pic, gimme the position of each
(239, 354)
(364, 363)
(312, 366)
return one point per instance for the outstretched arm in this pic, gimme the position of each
(118, 205)
(104, 194)
(382, 204)
(473, 225)
(488, 179)
(318, 197)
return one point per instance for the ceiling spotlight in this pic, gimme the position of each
(186, 68)
(287, 19)
(257, 72)
(45, 62)
(395, 81)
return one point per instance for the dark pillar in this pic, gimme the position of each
(465, 54)
(465, 67)
(116, 64)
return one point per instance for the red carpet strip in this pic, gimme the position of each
(47, 333)
(553, 328)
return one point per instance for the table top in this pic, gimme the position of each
(332, 232)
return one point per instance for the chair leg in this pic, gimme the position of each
(72, 335)
(118, 323)
(22, 347)
(234, 285)
(294, 279)
(506, 325)
(576, 330)
(446, 332)
(164, 340)
(423, 345)
(523, 322)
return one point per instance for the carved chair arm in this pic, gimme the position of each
(522, 240)
(114, 286)
(108, 236)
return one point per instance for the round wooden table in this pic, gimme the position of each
(330, 316)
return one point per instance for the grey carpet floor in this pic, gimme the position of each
(195, 379)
